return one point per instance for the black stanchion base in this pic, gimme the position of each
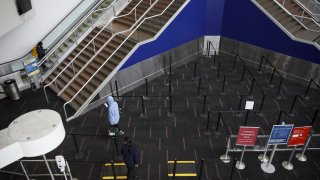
(146, 98)
(239, 115)
(260, 114)
(270, 86)
(143, 116)
(306, 97)
(290, 114)
(169, 114)
(250, 97)
(223, 93)
(232, 70)
(203, 115)
(79, 155)
(118, 98)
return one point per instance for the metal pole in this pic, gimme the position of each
(24, 171)
(146, 97)
(260, 113)
(279, 89)
(314, 117)
(45, 160)
(271, 79)
(143, 114)
(250, 96)
(195, 70)
(279, 117)
(214, 61)
(307, 90)
(234, 63)
(170, 89)
(243, 73)
(287, 164)
(218, 121)
(201, 168)
(170, 114)
(223, 85)
(207, 132)
(199, 86)
(263, 157)
(238, 114)
(204, 106)
(246, 117)
(174, 168)
(261, 60)
(218, 76)
(170, 73)
(117, 91)
(290, 113)
(225, 158)
(301, 156)
(240, 165)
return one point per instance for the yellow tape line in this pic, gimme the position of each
(116, 164)
(112, 177)
(184, 162)
(183, 174)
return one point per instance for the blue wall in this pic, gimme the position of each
(243, 21)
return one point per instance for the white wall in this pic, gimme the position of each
(22, 39)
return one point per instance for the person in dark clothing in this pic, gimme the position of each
(41, 52)
(130, 156)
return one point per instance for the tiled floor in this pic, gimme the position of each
(161, 138)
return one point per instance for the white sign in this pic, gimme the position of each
(249, 105)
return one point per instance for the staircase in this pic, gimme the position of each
(292, 19)
(80, 77)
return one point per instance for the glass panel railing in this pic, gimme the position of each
(312, 7)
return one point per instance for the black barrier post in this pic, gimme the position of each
(279, 89)
(246, 117)
(261, 60)
(271, 79)
(314, 117)
(170, 88)
(260, 113)
(243, 73)
(214, 61)
(146, 97)
(233, 166)
(195, 70)
(203, 114)
(279, 117)
(307, 90)
(250, 96)
(117, 91)
(79, 154)
(111, 89)
(223, 85)
(170, 72)
(170, 114)
(207, 132)
(201, 168)
(199, 86)
(239, 114)
(218, 76)
(113, 170)
(143, 114)
(115, 140)
(216, 130)
(174, 168)
(291, 113)
(234, 63)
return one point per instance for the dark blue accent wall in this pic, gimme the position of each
(243, 21)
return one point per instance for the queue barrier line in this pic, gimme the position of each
(182, 162)
(112, 177)
(183, 174)
(116, 164)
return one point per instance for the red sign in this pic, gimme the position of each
(299, 136)
(247, 136)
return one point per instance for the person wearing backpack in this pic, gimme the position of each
(130, 156)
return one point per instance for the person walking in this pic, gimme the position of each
(113, 116)
(130, 156)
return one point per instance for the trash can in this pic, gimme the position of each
(12, 89)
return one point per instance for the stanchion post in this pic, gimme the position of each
(115, 140)
(240, 164)
(203, 113)
(243, 73)
(113, 170)
(271, 79)
(117, 91)
(287, 164)
(195, 70)
(201, 168)
(279, 117)
(301, 156)
(79, 154)
(199, 86)
(206, 131)
(239, 114)
(291, 113)
(225, 157)
(143, 115)
(246, 117)
(260, 65)
(216, 130)
(170, 72)
(218, 75)
(170, 113)
(279, 89)
(250, 96)
(174, 168)
(263, 157)
(260, 113)
(214, 61)
(223, 85)
(314, 117)
(169, 87)
(234, 63)
(267, 166)
(146, 97)
(307, 90)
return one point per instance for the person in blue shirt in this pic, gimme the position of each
(113, 116)
(130, 156)
(40, 50)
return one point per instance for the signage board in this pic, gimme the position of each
(247, 136)
(280, 134)
(299, 135)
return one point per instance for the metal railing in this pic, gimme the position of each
(311, 6)
(89, 17)
(300, 18)
(132, 33)
(95, 53)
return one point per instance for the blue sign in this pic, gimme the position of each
(280, 134)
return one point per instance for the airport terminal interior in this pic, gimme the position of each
(210, 103)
